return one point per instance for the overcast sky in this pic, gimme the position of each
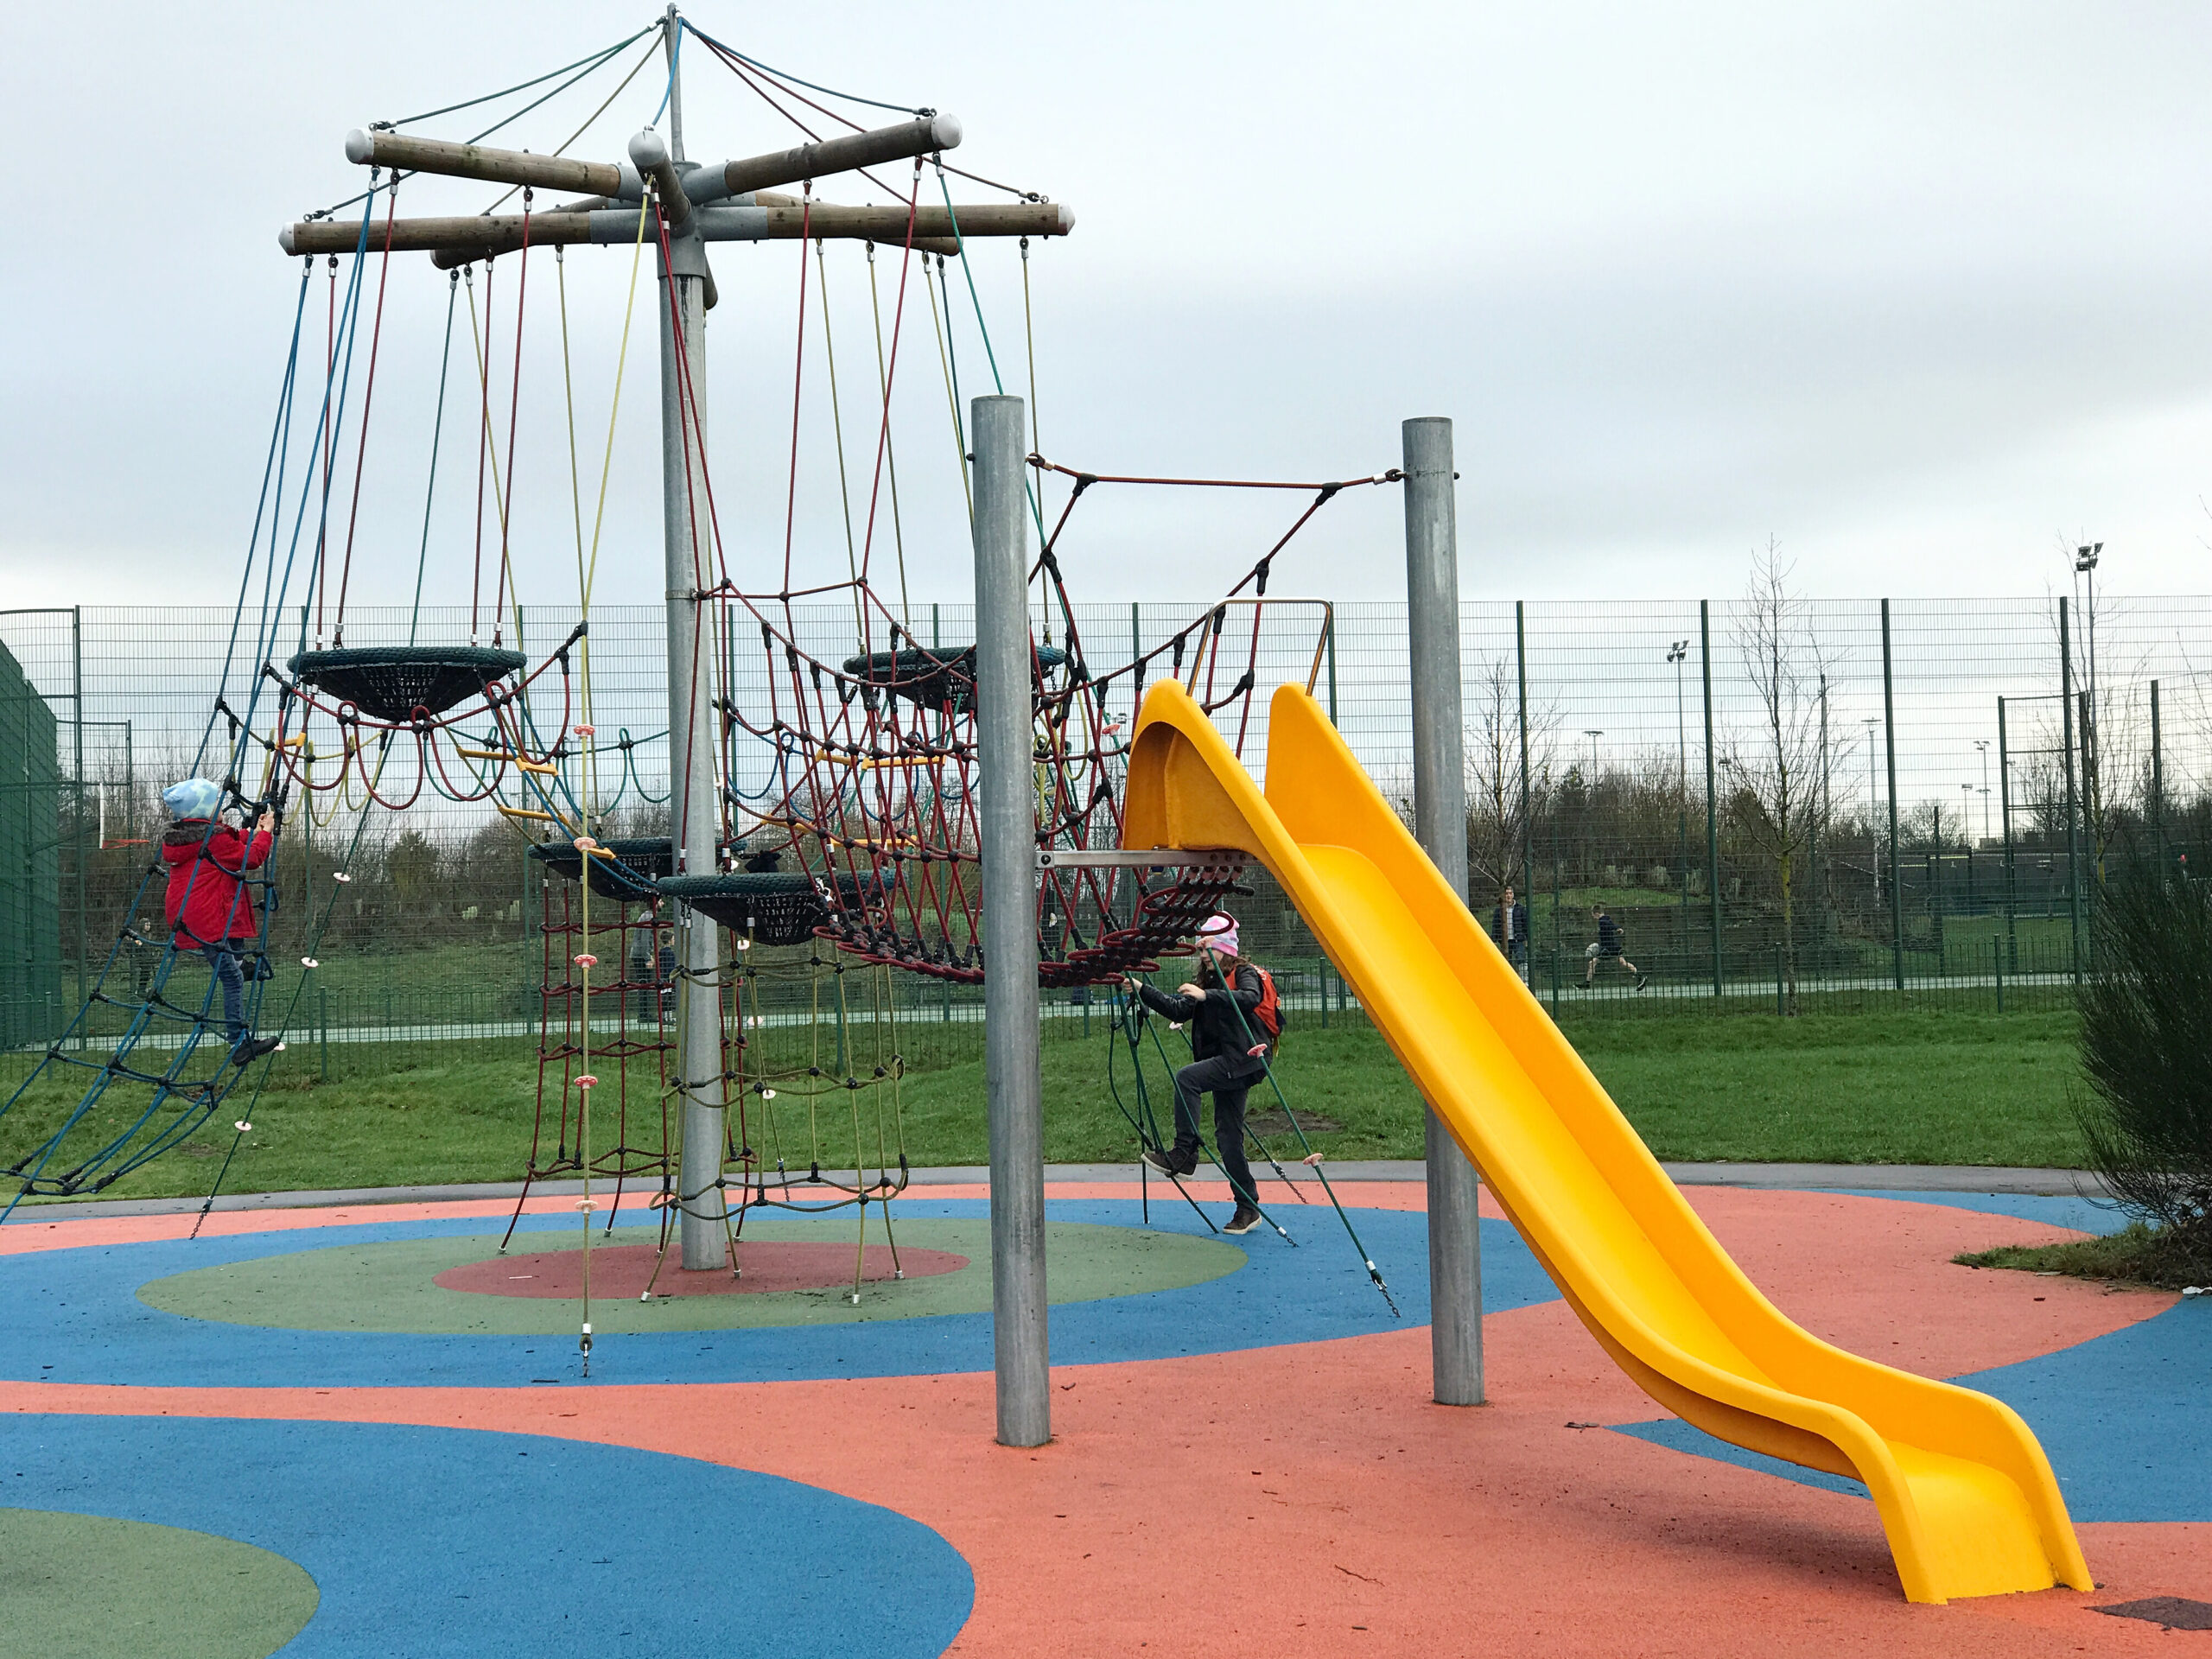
(1918, 291)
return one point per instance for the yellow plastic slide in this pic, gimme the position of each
(1964, 1491)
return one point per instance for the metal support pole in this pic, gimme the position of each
(1455, 1288)
(1711, 816)
(1889, 747)
(2066, 739)
(1013, 1081)
(694, 803)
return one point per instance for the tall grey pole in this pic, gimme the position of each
(1013, 1083)
(1455, 1283)
(694, 809)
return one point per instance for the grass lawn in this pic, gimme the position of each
(1949, 1088)
(2140, 1255)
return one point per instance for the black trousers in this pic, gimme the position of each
(1228, 1079)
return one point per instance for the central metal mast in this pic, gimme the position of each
(694, 807)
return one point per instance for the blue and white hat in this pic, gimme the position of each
(196, 797)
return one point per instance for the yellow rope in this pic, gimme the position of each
(837, 427)
(890, 450)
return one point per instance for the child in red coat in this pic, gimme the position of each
(208, 905)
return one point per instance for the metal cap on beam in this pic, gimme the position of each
(648, 154)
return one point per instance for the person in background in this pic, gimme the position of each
(1610, 945)
(1509, 930)
(1229, 1045)
(207, 904)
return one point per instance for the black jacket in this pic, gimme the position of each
(1520, 925)
(1610, 940)
(1221, 1020)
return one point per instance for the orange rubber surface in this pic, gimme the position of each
(1311, 1500)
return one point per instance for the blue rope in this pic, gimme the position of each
(279, 435)
(675, 58)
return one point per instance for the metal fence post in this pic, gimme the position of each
(2158, 785)
(77, 725)
(2005, 819)
(1013, 1085)
(2066, 741)
(1440, 824)
(1890, 746)
(1528, 799)
(1712, 818)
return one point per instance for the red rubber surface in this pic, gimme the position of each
(626, 1269)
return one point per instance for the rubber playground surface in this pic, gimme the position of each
(363, 1430)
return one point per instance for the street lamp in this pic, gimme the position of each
(1593, 733)
(2085, 566)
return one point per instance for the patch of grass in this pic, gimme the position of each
(2161, 1259)
(1902, 1089)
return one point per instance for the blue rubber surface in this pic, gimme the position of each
(2122, 1417)
(75, 1316)
(596, 1549)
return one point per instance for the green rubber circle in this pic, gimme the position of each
(387, 1287)
(87, 1586)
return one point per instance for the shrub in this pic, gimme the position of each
(2147, 1052)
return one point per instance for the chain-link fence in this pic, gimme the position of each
(1825, 804)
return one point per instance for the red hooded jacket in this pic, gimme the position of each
(204, 905)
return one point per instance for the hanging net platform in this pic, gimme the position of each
(401, 683)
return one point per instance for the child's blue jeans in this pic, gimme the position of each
(224, 962)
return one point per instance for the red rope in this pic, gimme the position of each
(1390, 477)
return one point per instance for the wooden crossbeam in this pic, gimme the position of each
(404, 152)
(922, 138)
(476, 237)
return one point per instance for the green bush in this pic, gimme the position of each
(2147, 1051)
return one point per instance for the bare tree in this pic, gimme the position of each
(1782, 774)
(1498, 810)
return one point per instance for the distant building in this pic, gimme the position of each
(30, 862)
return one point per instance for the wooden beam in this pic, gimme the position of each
(461, 239)
(889, 224)
(472, 237)
(398, 151)
(896, 144)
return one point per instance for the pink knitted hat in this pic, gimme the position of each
(1220, 932)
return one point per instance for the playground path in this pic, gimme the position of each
(1309, 1500)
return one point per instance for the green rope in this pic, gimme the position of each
(968, 275)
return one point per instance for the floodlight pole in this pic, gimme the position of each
(1013, 1084)
(1455, 1283)
(694, 810)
